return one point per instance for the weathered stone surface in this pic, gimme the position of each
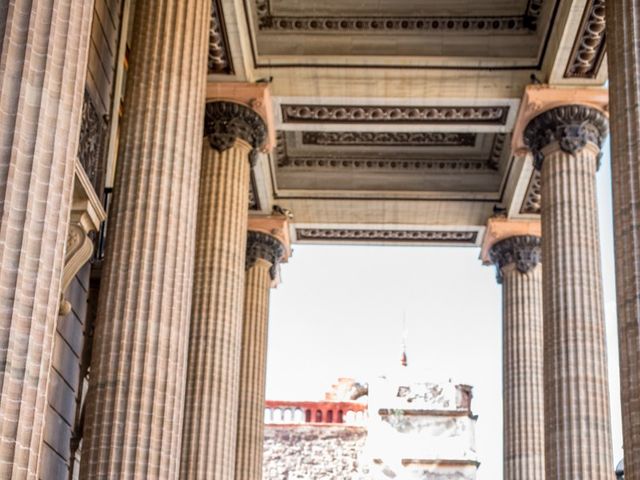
(135, 404)
(210, 424)
(313, 452)
(624, 63)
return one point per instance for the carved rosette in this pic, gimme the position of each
(572, 126)
(266, 247)
(226, 122)
(523, 250)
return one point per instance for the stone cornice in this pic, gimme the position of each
(525, 23)
(531, 202)
(266, 247)
(352, 235)
(590, 44)
(571, 126)
(219, 61)
(227, 122)
(422, 139)
(524, 252)
(400, 114)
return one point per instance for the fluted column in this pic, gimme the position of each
(264, 253)
(135, 403)
(208, 450)
(517, 261)
(566, 145)
(623, 53)
(43, 60)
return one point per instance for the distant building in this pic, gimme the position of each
(397, 427)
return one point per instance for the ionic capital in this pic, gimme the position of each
(226, 122)
(572, 127)
(524, 252)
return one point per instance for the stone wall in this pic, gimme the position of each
(305, 452)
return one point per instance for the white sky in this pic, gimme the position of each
(338, 313)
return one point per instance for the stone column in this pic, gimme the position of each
(566, 144)
(517, 260)
(623, 52)
(233, 131)
(135, 402)
(43, 60)
(264, 253)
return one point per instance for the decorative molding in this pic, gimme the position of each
(267, 247)
(219, 61)
(404, 139)
(226, 122)
(590, 44)
(531, 202)
(86, 216)
(525, 23)
(483, 115)
(392, 236)
(93, 130)
(254, 200)
(572, 126)
(284, 160)
(523, 250)
(496, 151)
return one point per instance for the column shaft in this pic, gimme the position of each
(578, 442)
(253, 372)
(623, 38)
(43, 58)
(135, 403)
(523, 395)
(209, 442)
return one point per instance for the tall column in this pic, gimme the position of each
(43, 60)
(264, 253)
(566, 144)
(208, 450)
(135, 402)
(623, 52)
(517, 260)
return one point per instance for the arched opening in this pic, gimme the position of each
(318, 416)
(330, 416)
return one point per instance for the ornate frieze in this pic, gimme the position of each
(525, 23)
(353, 161)
(225, 122)
(266, 247)
(531, 202)
(483, 115)
(524, 251)
(590, 44)
(92, 137)
(379, 235)
(404, 139)
(572, 126)
(219, 57)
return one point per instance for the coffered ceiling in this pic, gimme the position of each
(394, 118)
